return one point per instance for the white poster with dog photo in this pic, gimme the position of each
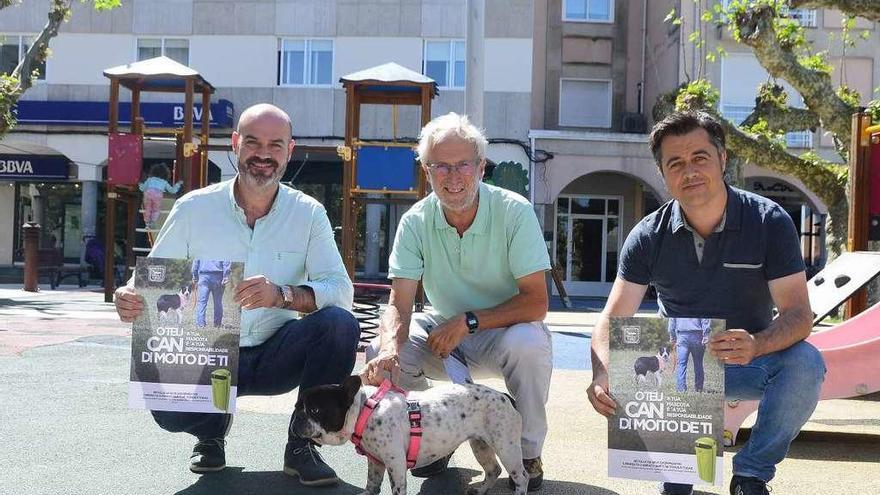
(184, 346)
(669, 423)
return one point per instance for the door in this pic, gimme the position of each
(588, 242)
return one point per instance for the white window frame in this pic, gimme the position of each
(162, 40)
(610, 101)
(605, 216)
(450, 68)
(307, 61)
(21, 36)
(737, 113)
(610, 19)
(807, 18)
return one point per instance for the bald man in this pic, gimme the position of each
(292, 267)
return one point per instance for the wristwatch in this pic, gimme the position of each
(286, 296)
(472, 322)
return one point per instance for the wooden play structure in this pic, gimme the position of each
(125, 151)
(375, 171)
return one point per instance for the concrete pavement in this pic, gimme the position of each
(64, 364)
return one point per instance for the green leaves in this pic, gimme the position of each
(101, 5)
(697, 94)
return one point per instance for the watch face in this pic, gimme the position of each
(472, 322)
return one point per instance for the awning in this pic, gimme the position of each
(26, 162)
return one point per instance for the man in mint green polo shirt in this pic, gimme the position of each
(480, 254)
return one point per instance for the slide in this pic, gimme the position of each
(850, 351)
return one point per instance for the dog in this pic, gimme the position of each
(653, 365)
(168, 303)
(450, 414)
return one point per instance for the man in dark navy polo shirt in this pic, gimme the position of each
(715, 251)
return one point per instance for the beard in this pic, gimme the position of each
(460, 204)
(254, 172)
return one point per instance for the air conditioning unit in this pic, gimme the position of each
(633, 122)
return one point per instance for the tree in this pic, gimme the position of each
(779, 44)
(14, 84)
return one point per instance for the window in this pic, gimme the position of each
(444, 63)
(588, 10)
(805, 17)
(738, 113)
(306, 63)
(176, 49)
(12, 50)
(585, 103)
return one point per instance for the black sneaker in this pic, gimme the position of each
(306, 463)
(535, 468)
(676, 489)
(208, 456)
(746, 485)
(433, 469)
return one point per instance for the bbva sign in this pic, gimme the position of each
(18, 167)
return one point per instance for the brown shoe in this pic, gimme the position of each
(535, 468)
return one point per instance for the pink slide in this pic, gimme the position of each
(850, 350)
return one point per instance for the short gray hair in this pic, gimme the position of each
(447, 125)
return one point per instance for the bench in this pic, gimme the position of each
(50, 263)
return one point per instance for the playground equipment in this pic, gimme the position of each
(125, 153)
(850, 351)
(380, 171)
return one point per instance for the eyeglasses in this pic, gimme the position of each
(464, 168)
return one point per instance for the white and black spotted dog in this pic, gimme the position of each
(653, 365)
(167, 304)
(451, 414)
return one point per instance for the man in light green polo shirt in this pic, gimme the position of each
(480, 253)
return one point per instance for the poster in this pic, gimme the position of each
(184, 346)
(669, 425)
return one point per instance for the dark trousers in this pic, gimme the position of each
(315, 350)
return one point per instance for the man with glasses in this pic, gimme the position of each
(480, 253)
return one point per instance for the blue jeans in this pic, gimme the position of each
(787, 383)
(315, 350)
(210, 283)
(689, 343)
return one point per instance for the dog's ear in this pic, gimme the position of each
(351, 385)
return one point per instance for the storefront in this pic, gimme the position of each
(38, 184)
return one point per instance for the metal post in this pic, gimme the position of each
(31, 232)
(474, 65)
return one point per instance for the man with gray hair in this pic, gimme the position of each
(480, 253)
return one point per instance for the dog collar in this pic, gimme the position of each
(413, 411)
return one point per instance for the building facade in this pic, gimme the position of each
(287, 52)
(599, 67)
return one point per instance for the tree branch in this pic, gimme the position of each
(859, 8)
(785, 119)
(39, 49)
(757, 31)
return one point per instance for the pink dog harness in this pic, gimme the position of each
(415, 423)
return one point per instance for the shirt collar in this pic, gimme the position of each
(730, 220)
(481, 221)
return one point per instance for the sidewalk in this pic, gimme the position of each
(64, 364)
